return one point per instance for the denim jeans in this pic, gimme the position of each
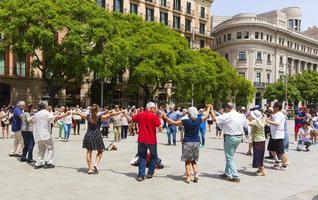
(172, 131)
(67, 131)
(142, 154)
(124, 130)
(202, 135)
(28, 145)
(230, 145)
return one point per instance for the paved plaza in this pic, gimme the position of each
(116, 180)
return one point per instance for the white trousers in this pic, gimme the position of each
(18, 143)
(45, 146)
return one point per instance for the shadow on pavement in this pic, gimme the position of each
(243, 171)
(129, 174)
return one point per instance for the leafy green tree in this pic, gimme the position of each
(277, 91)
(156, 51)
(213, 79)
(30, 28)
(307, 85)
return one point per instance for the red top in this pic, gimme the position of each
(147, 124)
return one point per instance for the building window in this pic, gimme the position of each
(229, 36)
(256, 35)
(268, 78)
(176, 22)
(177, 5)
(246, 35)
(262, 36)
(20, 66)
(281, 60)
(163, 3)
(226, 56)
(2, 63)
(259, 56)
(239, 35)
(101, 3)
(258, 77)
(291, 23)
(133, 8)
(189, 8)
(269, 59)
(202, 12)
(271, 38)
(242, 74)
(242, 56)
(150, 14)
(164, 18)
(224, 38)
(188, 25)
(202, 44)
(202, 28)
(118, 6)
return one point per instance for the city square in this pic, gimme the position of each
(116, 179)
(158, 99)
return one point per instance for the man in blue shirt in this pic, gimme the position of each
(172, 129)
(18, 143)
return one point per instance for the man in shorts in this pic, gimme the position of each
(276, 143)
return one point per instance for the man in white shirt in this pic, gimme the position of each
(276, 143)
(233, 124)
(42, 131)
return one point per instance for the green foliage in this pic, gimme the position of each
(277, 91)
(213, 78)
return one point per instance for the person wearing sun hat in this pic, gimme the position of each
(257, 124)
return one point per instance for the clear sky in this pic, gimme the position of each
(309, 8)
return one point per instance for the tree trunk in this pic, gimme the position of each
(52, 93)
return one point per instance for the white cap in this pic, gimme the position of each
(256, 114)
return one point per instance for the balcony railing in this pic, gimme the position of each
(189, 12)
(204, 16)
(260, 84)
(151, 2)
(164, 5)
(179, 10)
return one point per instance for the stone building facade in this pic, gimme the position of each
(267, 46)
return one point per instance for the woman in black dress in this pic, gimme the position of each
(93, 140)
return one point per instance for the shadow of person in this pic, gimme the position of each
(175, 178)
(214, 176)
(129, 174)
(82, 170)
(243, 171)
(315, 197)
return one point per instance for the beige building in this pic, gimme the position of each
(192, 18)
(267, 46)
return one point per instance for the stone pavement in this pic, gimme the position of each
(116, 180)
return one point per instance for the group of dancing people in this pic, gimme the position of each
(26, 122)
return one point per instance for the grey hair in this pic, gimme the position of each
(150, 105)
(21, 103)
(43, 105)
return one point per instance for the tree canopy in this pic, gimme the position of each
(93, 40)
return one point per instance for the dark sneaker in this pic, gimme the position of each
(149, 176)
(23, 160)
(38, 167)
(48, 166)
(224, 176)
(31, 161)
(234, 180)
(140, 179)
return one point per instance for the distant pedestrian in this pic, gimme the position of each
(191, 140)
(257, 125)
(148, 122)
(233, 124)
(93, 140)
(42, 131)
(27, 134)
(18, 143)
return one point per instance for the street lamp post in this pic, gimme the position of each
(102, 93)
(286, 85)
